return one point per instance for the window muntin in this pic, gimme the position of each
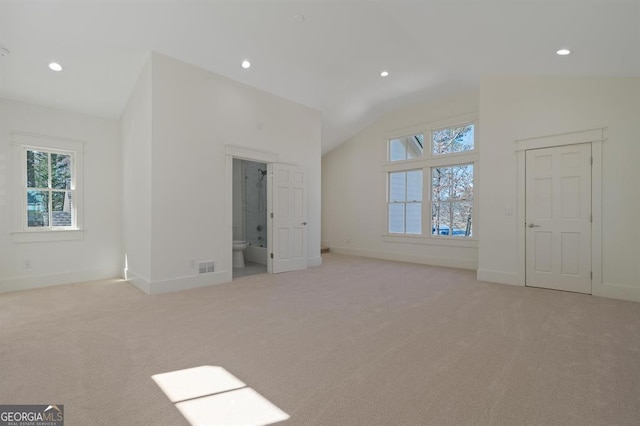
(49, 189)
(452, 200)
(453, 140)
(405, 202)
(406, 147)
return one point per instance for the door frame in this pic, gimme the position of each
(596, 138)
(244, 153)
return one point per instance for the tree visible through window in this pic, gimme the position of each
(452, 200)
(452, 140)
(49, 189)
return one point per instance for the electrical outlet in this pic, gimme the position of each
(27, 264)
(192, 264)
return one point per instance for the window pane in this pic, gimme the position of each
(397, 186)
(441, 183)
(414, 218)
(60, 171)
(462, 217)
(61, 208)
(414, 146)
(456, 139)
(396, 218)
(414, 185)
(462, 181)
(406, 147)
(397, 150)
(37, 208)
(441, 218)
(37, 169)
(440, 141)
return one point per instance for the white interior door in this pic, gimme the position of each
(558, 218)
(288, 216)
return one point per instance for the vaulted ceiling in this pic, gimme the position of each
(324, 54)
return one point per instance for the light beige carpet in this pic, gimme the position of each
(354, 342)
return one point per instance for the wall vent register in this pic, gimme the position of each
(206, 267)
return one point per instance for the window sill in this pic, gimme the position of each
(429, 240)
(48, 235)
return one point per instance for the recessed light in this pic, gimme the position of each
(299, 18)
(246, 64)
(563, 52)
(54, 66)
(384, 73)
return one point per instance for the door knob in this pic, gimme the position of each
(531, 225)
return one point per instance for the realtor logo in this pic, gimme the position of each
(32, 415)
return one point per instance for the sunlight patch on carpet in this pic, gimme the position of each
(196, 382)
(239, 407)
(210, 395)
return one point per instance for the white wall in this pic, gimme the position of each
(195, 113)
(97, 255)
(136, 137)
(354, 189)
(513, 108)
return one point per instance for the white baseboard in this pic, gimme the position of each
(616, 291)
(612, 291)
(40, 281)
(179, 284)
(499, 277)
(400, 257)
(314, 261)
(137, 281)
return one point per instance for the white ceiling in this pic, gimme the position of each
(331, 61)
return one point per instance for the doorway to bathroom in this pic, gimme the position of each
(249, 218)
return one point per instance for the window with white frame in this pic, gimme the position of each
(50, 193)
(442, 173)
(406, 147)
(49, 189)
(405, 202)
(452, 200)
(452, 140)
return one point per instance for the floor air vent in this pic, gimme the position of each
(206, 267)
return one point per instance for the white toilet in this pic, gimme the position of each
(238, 257)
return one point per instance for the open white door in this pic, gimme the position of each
(288, 218)
(558, 218)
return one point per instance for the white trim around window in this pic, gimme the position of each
(24, 142)
(427, 163)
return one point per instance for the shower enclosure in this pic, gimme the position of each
(255, 203)
(250, 208)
